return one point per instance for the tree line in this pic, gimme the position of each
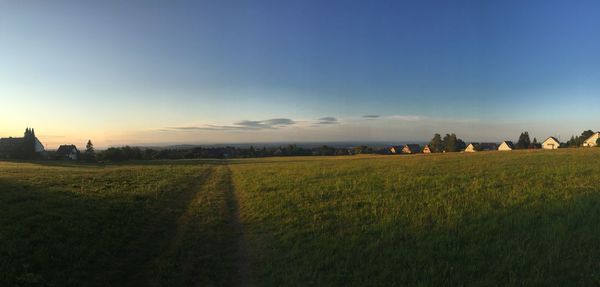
(577, 141)
(448, 143)
(136, 153)
(451, 143)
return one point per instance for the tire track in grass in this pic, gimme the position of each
(243, 261)
(145, 250)
(204, 243)
(203, 251)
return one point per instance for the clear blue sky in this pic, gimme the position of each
(251, 71)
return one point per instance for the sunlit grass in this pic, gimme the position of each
(461, 219)
(495, 218)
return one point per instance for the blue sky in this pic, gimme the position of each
(253, 71)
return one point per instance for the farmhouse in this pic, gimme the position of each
(551, 143)
(396, 149)
(592, 141)
(26, 147)
(506, 145)
(411, 148)
(474, 147)
(427, 149)
(471, 148)
(67, 152)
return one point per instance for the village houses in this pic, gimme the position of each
(506, 146)
(411, 149)
(551, 143)
(592, 141)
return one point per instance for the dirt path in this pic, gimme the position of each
(144, 251)
(243, 262)
(198, 240)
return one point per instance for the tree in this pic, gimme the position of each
(598, 142)
(573, 142)
(460, 145)
(436, 144)
(450, 143)
(26, 150)
(535, 144)
(360, 150)
(524, 141)
(586, 135)
(90, 153)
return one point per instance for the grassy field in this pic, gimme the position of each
(141, 225)
(516, 218)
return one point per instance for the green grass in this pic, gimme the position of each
(519, 218)
(495, 218)
(70, 225)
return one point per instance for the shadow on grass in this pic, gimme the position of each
(60, 238)
(550, 244)
(82, 164)
(187, 162)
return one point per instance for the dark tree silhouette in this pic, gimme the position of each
(90, 153)
(436, 144)
(453, 144)
(524, 141)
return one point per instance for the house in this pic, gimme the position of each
(26, 147)
(411, 148)
(551, 143)
(506, 145)
(474, 147)
(67, 152)
(427, 149)
(396, 149)
(592, 141)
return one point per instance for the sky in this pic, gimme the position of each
(199, 72)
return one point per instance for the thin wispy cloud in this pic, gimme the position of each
(408, 118)
(51, 136)
(266, 124)
(394, 117)
(327, 121)
(245, 125)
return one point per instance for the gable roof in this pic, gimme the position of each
(553, 138)
(7, 144)
(509, 144)
(488, 146)
(413, 147)
(66, 149)
(593, 135)
(483, 146)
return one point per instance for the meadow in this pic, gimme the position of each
(491, 218)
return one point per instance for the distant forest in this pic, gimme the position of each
(447, 143)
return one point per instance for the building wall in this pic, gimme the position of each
(470, 148)
(550, 144)
(592, 140)
(504, 147)
(39, 147)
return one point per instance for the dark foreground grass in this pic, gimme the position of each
(70, 225)
(488, 219)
